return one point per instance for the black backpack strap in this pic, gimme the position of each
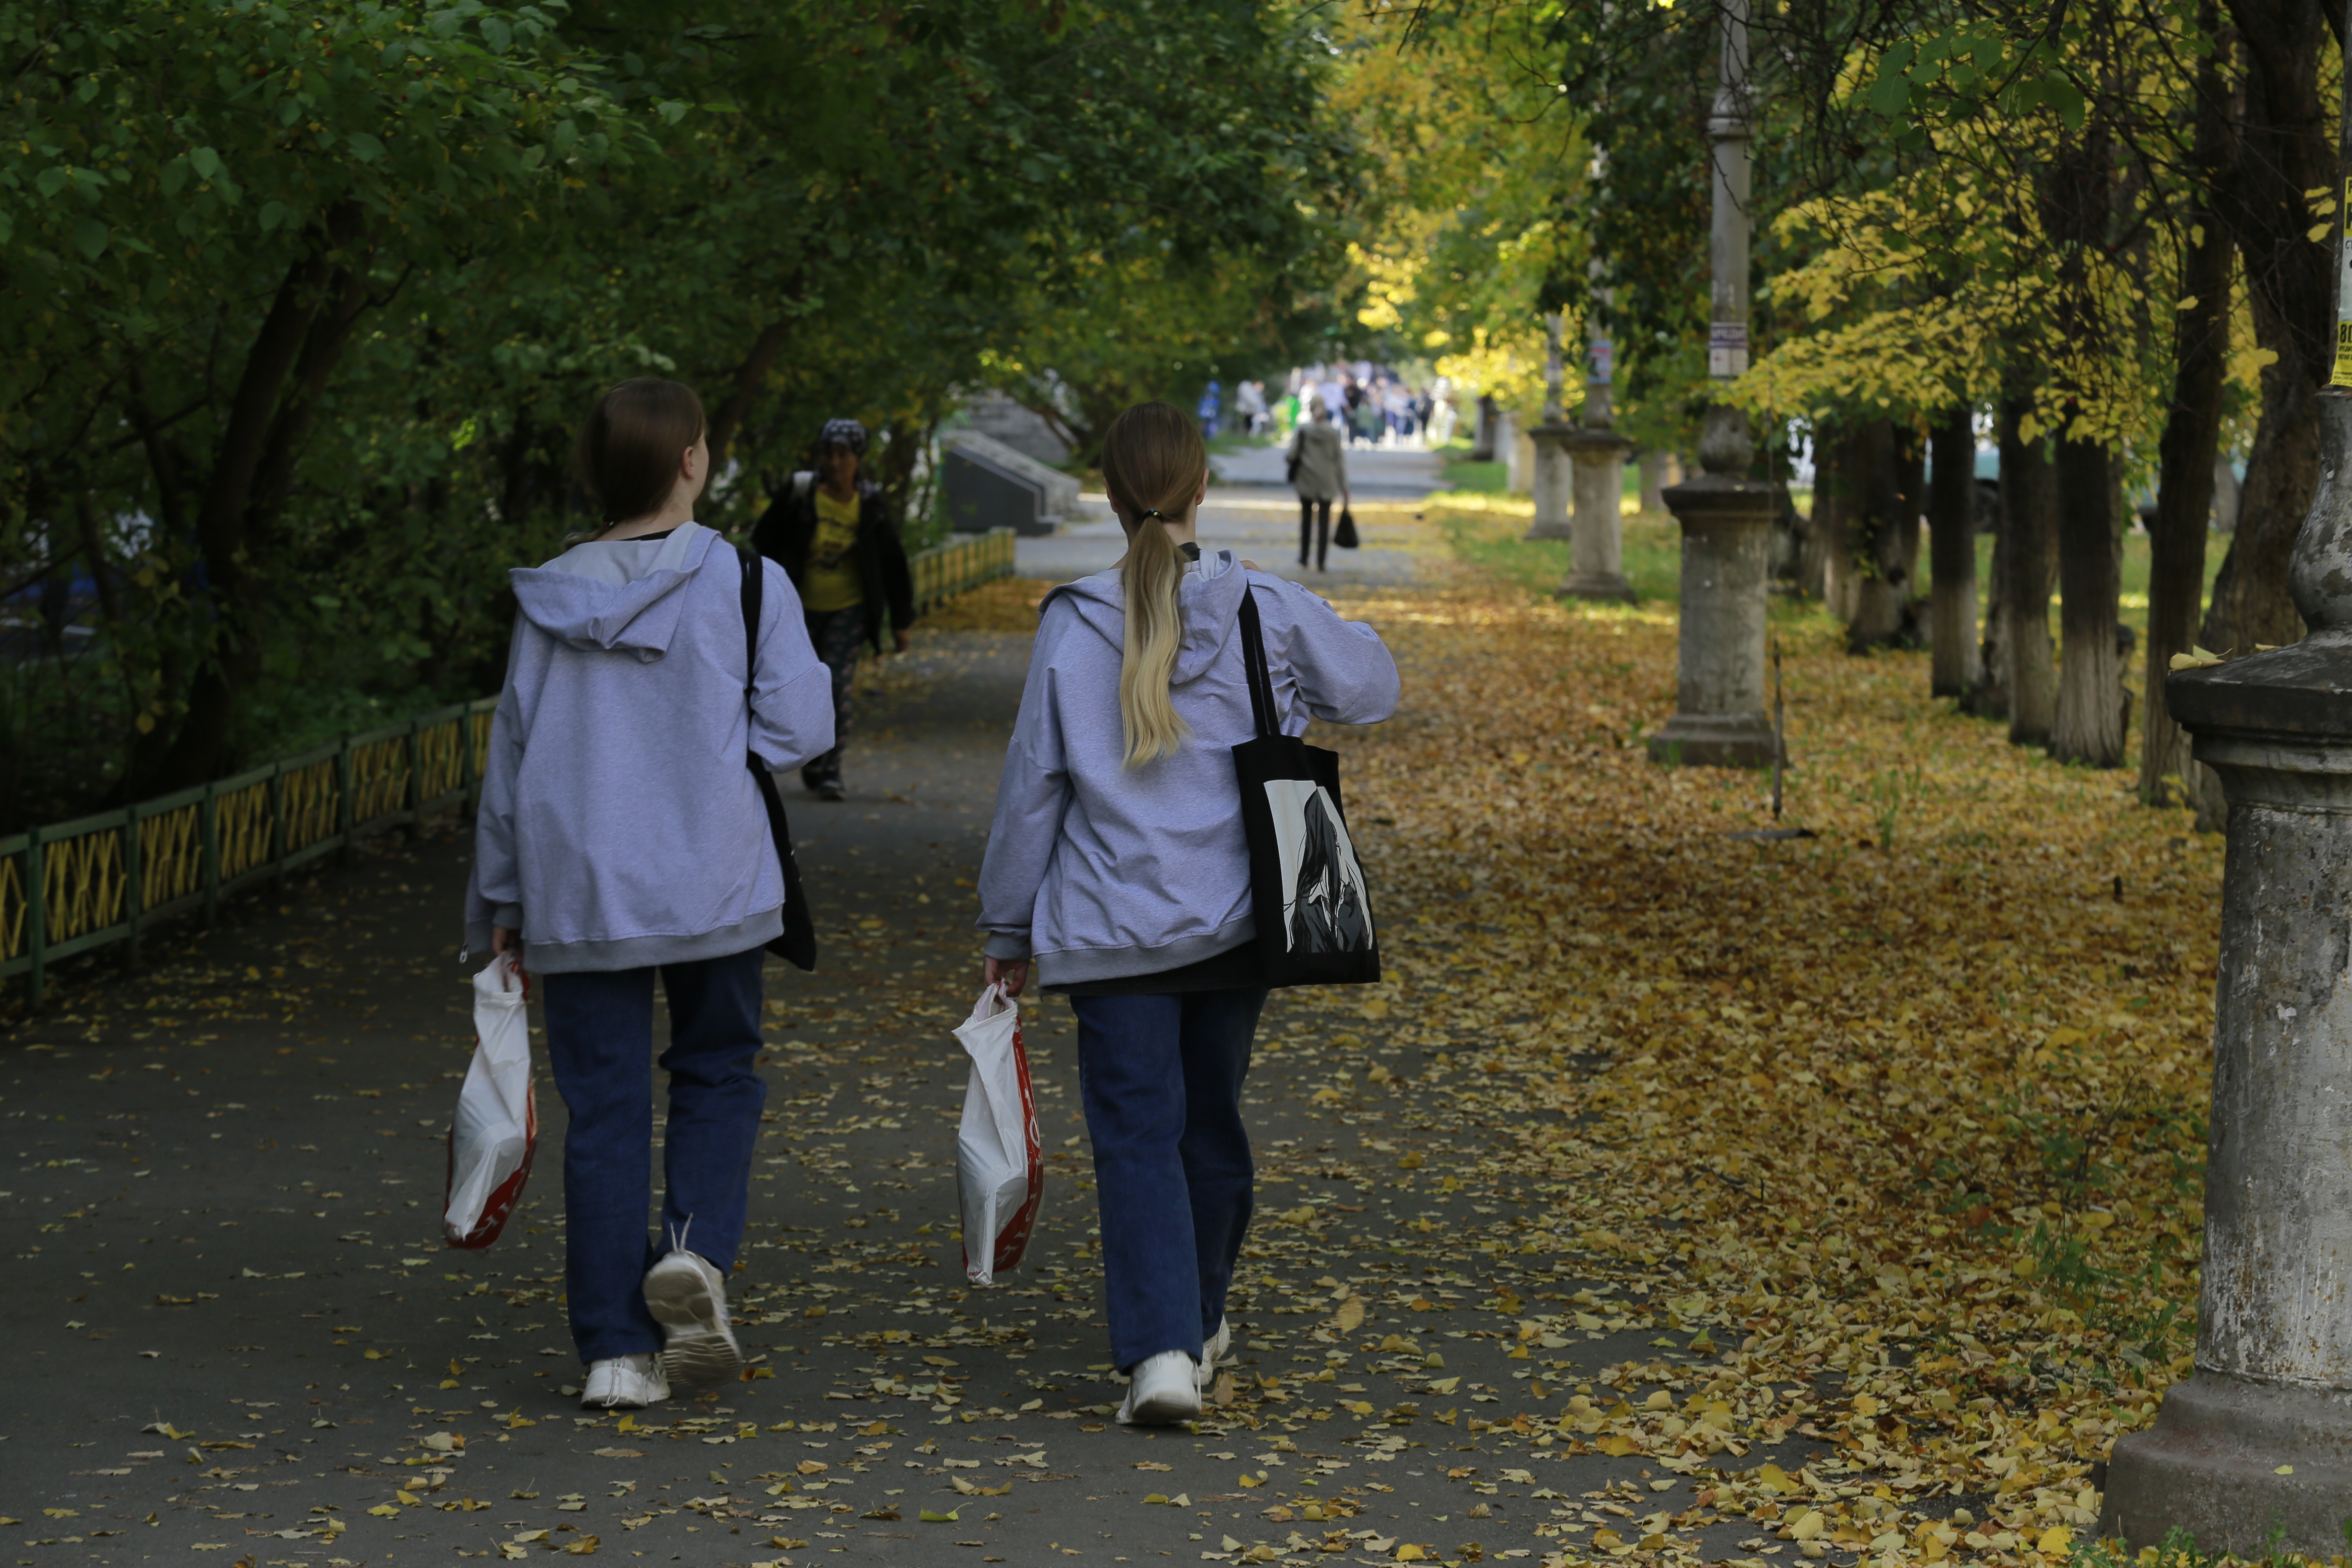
(1261, 682)
(798, 942)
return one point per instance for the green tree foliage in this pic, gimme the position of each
(299, 306)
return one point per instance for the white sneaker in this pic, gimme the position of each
(624, 1382)
(1163, 1391)
(688, 1297)
(1213, 1352)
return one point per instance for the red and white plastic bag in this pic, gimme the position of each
(496, 1130)
(1000, 1168)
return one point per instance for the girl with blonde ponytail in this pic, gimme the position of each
(1157, 471)
(1117, 862)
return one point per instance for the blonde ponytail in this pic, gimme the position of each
(1153, 461)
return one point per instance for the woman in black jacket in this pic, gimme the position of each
(833, 534)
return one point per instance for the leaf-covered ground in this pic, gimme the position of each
(1898, 1127)
(1905, 1118)
(1680, 1197)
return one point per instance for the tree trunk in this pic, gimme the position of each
(2288, 150)
(1911, 494)
(2225, 494)
(1874, 549)
(2027, 498)
(294, 352)
(2090, 721)
(2188, 460)
(1990, 698)
(2251, 602)
(1952, 555)
(1826, 566)
(743, 385)
(1653, 483)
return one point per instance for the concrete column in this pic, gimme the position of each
(1551, 485)
(1726, 516)
(1597, 551)
(2261, 1435)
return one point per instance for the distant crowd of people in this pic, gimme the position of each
(1368, 406)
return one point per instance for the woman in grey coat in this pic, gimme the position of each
(1321, 471)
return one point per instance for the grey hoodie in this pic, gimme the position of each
(1104, 872)
(619, 826)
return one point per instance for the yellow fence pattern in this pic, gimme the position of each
(171, 857)
(967, 562)
(310, 800)
(84, 883)
(242, 823)
(106, 879)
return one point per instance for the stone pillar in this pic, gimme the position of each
(1551, 481)
(2261, 1435)
(1597, 553)
(1726, 516)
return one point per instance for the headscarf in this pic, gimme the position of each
(846, 433)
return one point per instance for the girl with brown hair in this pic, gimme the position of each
(620, 836)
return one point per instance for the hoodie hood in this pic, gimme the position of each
(621, 596)
(1210, 599)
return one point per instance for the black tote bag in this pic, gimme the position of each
(796, 944)
(1307, 890)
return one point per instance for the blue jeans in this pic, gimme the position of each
(600, 1030)
(1162, 1078)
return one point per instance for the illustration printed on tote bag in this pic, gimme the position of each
(1326, 909)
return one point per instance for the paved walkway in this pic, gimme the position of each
(1254, 512)
(235, 1331)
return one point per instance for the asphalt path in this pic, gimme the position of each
(238, 1333)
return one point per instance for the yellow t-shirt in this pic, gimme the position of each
(832, 581)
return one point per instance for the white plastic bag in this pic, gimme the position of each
(1000, 1168)
(496, 1130)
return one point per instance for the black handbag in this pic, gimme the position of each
(796, 943)
(1307, 890)
(1344, 536)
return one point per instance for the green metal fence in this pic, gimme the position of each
(109, 878)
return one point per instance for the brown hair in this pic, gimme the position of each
(1153, 461)
(629, 447)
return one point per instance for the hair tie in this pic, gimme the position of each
(1153, 512)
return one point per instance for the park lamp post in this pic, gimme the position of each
(2259, 1438)
(1726, 516)
(1596, 549)
(1551, 483)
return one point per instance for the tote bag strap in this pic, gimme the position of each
(754, 582)
(1261, 683)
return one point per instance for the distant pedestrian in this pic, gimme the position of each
(1210, 401)
(1249, 402)
(832, 530)
(1318, 473)
(620, 833)
(1118, 862)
